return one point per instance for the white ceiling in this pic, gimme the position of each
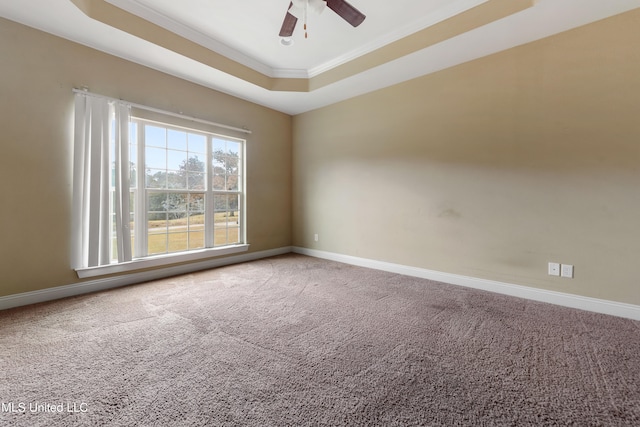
(246, 31)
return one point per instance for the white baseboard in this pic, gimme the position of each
(613, 308)
(58, 292)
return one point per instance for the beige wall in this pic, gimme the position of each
(37, 74)
(489, 169)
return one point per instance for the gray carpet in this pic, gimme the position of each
(294, 341)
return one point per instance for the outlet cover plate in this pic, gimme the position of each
(554, 269)
(566, 271)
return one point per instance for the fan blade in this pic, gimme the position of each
(347, 12)
(289, 24)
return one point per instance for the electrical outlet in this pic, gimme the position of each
(315, 237)
(566, 270)
(554, 269)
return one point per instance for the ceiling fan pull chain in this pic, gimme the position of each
(306, 7)
(299, 10)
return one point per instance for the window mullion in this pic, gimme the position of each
(141, 197)
(209, 214)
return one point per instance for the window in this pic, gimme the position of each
(173, 191)
(190, 179)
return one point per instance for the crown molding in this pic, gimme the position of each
(107, 28)
(183, 30)
(136, 8)
(142, 22)
(452, 9)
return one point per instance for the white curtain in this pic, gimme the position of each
(101, 182)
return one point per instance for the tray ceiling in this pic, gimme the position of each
(233, 46)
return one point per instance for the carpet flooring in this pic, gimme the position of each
(300, 341)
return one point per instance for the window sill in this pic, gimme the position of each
(159, 261)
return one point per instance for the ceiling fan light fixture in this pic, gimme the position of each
(286, 41)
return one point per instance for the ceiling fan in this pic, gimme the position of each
(297, 9)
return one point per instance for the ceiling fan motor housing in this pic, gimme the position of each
(298, 8)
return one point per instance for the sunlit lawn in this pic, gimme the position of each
(174, 236)
(179, 239)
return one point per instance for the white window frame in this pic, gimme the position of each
(142, 193)
(140, 258)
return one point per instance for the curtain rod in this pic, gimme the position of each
(168, 113)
